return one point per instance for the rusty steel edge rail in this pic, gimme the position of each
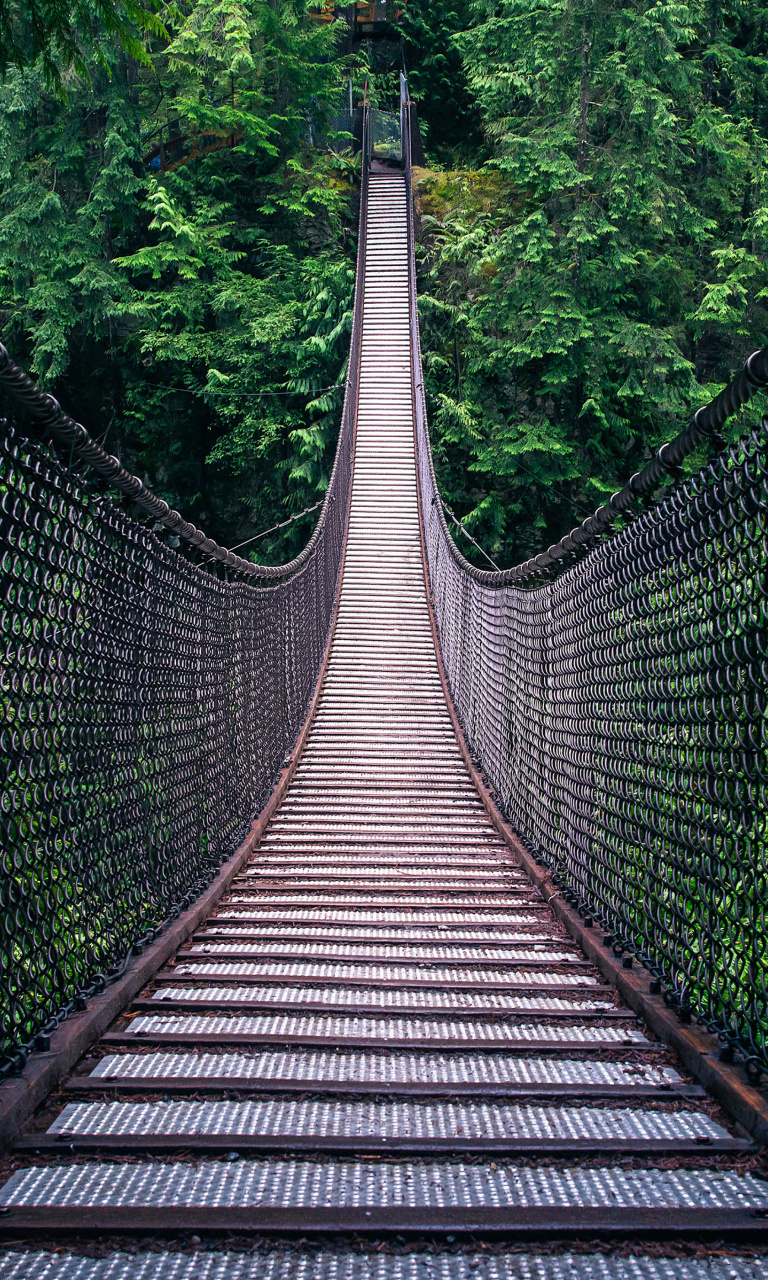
(48, 414)
(46, 1059)
(21, 1094)
(111, 975)
(703, 426)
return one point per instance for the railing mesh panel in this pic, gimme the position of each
(619, 714)
(147, 706)
(148, 700)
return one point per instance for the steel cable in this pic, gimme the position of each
(618, 709)
(148, 703)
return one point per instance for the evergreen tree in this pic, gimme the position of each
(63, 33)
(177, 264)
(450, 120)
(622, 276)
(176, 261)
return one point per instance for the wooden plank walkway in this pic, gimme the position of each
(382, 1029)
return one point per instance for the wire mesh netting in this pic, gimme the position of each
(618, 710)
(148, 703)
(148, 706)
(619, 714)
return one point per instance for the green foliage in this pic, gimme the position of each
(195, 314)
(176, 262)
(61, 34)
(619, 274)
(448, 113)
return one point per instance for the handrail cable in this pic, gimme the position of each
(465, 531)
(617, 709)
(49, 415)
(283, 525)
(151, 704)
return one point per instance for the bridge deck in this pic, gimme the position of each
(382, 1029)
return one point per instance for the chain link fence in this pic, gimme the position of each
(149, 699)
(618, 711)
(385, 135)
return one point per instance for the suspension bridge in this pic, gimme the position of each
(375, 914)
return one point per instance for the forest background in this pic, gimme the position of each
(593, 253)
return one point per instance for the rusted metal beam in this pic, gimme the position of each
(509, 1222)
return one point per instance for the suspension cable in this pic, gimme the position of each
(275, 527)
(465, 531)
(245, 395)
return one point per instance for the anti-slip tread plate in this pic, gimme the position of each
(324, 971)
(391, 951)
(321, 1067)
(406, 917)
(338, 1027)
(381, 997)
(406, 898)
(391, 1119)
(422, 855)
(286, 1265)
(403, 940)
(283, 1183)
(459, 882)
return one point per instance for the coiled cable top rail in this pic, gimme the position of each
(47, 413)
(617, 709)
(704, 426)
